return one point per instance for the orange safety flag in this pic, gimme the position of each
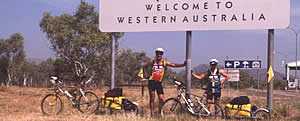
(270, 74)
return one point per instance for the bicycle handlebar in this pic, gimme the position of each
(179, 84)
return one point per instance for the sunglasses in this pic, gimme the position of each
(159, 53)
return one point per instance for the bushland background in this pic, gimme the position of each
(76, 37)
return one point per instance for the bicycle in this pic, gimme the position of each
(87, 102)
(174, 106)
(52, 104)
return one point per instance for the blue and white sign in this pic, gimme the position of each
(242, 64)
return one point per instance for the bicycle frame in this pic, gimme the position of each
(186, 98)
(60, 90)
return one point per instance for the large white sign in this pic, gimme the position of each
(183, 15)
(234, 75)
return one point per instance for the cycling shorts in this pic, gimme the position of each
(155, 85)
(215, 96)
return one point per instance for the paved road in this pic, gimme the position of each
(282, 92)
(287, 92)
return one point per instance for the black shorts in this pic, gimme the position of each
(215, 96)
(154, 85)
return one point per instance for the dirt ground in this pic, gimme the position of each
(23, 104)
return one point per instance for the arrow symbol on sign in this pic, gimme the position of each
(246, 64)
(228, 64)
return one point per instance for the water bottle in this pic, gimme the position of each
(68, 94)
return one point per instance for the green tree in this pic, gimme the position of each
(45, 70)
(128, 65)
(3, 62)
(27, 73)
(245, 80)
(77, 38)
(12, 57)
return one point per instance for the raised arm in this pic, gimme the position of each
(175, 65)
(226, 77)
(201, 76)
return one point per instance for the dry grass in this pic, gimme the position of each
(23, 104)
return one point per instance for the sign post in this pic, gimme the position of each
(113, 40)
(270, 65)
(242, 64)
(234, 75)
(257, 80)
(188, 60)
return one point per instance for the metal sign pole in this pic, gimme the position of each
(270, 64)
(113, 40)
(237, 88)
(188, 60)
(296, 79)
(257, 80)
(227, 81)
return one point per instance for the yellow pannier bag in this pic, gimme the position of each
(238, 110)
(114, 102)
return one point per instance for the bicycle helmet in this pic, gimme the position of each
(213, 62)
(159, 50)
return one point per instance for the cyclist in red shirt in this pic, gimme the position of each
(158, 67)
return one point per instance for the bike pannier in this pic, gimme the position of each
(241, 100)
(112, 102)
(238, 110)
(115, 92)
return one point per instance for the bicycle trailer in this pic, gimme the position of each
(238, 107)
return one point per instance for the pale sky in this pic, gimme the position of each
(23, 16)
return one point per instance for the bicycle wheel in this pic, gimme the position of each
(132, 108)
(90, 104)
(216, 111)
(227, 113)
(129, 107)
(262, 115)
(51, 105)
(171, 107)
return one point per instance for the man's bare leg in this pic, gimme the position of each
(161, 101)
(151, 103)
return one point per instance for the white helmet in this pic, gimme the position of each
(159, 50)
(213, 62)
